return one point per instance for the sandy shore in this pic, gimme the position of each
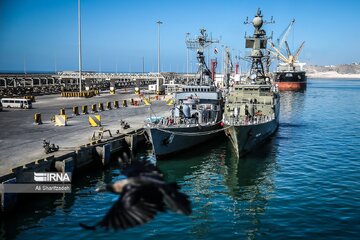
(332, 74)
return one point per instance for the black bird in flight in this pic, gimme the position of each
(142, 194)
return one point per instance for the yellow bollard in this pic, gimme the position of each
(37, 119)
(62, 111)
(84, 109)
(116, 104)
(76, 110)
(101, 107)
(93, 108)
(108, 105)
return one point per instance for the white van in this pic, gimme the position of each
(16, 103)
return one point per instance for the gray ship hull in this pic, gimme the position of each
(171, 140)
(245, 138)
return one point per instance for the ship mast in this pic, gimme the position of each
(257, 43)
(199, 45)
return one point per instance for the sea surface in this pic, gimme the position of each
(304, 183)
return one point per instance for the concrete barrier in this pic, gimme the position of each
(86, 94)
(170, 102)
(30, 97)
(95, 121)
(147, 102)
(60, 120)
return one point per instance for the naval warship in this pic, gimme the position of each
(252, 106)
(196, 114)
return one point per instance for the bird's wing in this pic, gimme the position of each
(175, 200)
(137, 205)
(121, 217)
(143, 168)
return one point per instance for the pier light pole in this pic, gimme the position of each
(187, 58)
(158, 78)
(79, 38)
(143, 64)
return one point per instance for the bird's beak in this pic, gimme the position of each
(105, 188)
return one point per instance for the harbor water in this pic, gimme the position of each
(302, 184)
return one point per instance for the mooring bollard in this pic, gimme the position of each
(93, 108)
(37, 119)
(84, 109)
(76, 110)
(108, 105)
(116, 104)
(62, 111)
(124, 103)
(101, 107)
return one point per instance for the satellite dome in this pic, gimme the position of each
(257, 22)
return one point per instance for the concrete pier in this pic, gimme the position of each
(21, 141)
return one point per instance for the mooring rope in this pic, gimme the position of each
(193, 133)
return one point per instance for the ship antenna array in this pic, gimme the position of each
(258, 42)
(201, 42)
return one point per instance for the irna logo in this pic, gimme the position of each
(51, 177)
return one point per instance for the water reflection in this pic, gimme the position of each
(220, 186)
(216, 172)
(250, 181)
(292, 107)
(198, 173)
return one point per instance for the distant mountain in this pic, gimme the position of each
(333, 71)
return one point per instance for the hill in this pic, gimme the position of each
(333, 71)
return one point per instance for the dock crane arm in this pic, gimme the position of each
(278, 53)
(298, 51)
(287, 49)
(285, 34)
(280, 56)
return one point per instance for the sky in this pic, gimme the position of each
(117, 35)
